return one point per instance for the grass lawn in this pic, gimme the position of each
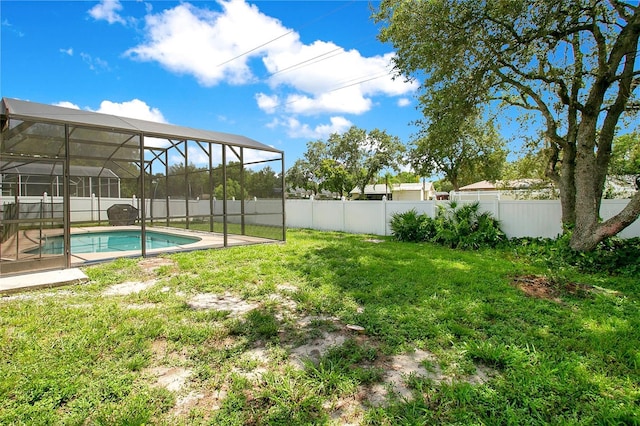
(270, 334)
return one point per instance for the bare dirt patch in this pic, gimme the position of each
(207, 401)
(151, 264)
(225, 302)
(308, 339)
(374, 240)
(37, 295)
(315, 349)
(129, 287)
(173, 379)
(544, 288)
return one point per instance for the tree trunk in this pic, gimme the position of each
(567, 186)
(587, 208)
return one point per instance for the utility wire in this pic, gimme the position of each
(343, 87)
(287, 33)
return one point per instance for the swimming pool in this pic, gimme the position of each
(110, 241)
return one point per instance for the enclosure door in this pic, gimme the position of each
(32, 216)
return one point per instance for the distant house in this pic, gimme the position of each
(398, 192)
(505, 190)
(483, 185)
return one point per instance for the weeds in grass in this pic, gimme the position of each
(80, 356)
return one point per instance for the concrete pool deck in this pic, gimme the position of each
(26, 241)
(40, 280)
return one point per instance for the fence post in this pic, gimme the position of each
(93, 199)
(311, 198)
(343, 199)
(384, 215)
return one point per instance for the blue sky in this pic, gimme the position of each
(280, 72)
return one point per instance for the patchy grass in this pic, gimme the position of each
(258, 335)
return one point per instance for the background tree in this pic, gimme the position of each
(305, 172)
(336, 178)
(301, 175)
(625, 158)
(401, 177)
(262, 183)
(572, 63)
(464, 152)
(365, 154)
(348, 160)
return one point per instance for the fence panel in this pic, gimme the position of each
(328, 215)
(299, 213)
(539, 218)
(518, 218)
(365, 217)
(611, 208)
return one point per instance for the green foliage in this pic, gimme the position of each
(611, 256)
(409, 226)
(545, 59)
(344, 161)
(454, 226)
(463, 151)
(625, 157)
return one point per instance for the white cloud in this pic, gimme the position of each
(267, 103)
(107, 10)
(297, 129)
(95, 64)
(216, 47)
(208, 44)
(133, 109)
(67, 104)
(10, 28)
(68, 51)
(342, 82)
(403, 102)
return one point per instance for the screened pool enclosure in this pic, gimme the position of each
(78, 187)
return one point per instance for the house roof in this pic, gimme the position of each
(483, 185)
(31, 111)
(381, 188)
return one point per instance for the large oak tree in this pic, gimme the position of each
(573, 63)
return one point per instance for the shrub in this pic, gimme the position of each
(454, 226)
(612, 256)
(408, 226)
(466, 227)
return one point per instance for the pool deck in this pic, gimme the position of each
(27, 241)
(40, 280)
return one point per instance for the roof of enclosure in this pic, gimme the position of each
(36, 168)
(31, 111)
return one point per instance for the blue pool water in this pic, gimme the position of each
(108, 241)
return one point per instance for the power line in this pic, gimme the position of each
(287, 33)
(346, 86)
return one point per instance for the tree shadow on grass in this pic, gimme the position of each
(557, 360)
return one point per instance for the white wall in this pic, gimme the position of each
(518, 218)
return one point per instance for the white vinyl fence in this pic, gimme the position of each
(521, 218)
(94, 209)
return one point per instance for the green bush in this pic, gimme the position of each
(612, 256)
(453, 226)
(409, 226)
